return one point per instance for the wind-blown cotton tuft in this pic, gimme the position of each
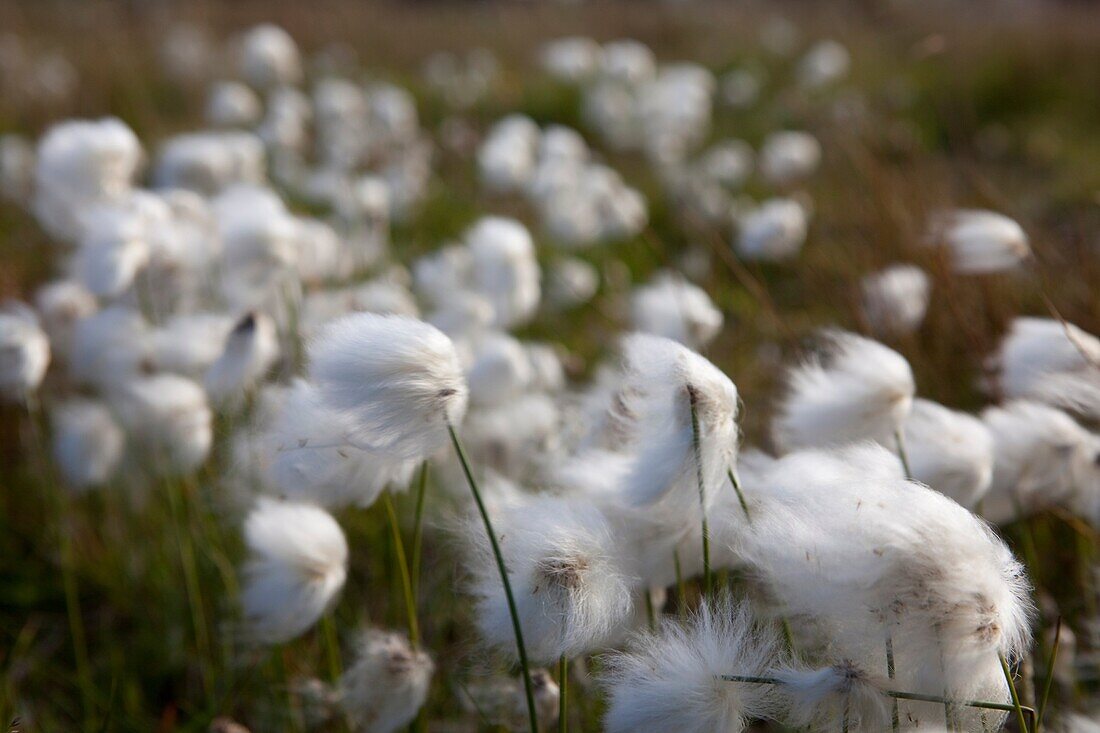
(572, 593)
(296, 567)
(857, 389)
(250, 350)
(24, 352)
(87, 442)
(397, 380)
(816, 699)
(772, 232)
(671, 680)
(980, 242)
(950, 451)
(169, 417)
(1053, 362)
(895, 300)
(387, 683)
(676, 309)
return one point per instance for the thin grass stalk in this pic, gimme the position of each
(740, 494)
(402, 569)
(902, 453)
(563, 687)
(681, 586)
(418, 528)
(332, 646)
(1049, 682)
(192, 586)
(1012, 692)
(521, 648)
(698, 450)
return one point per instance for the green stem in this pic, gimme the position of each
(563, 687)
(528, 688)
(1049, 682)
(1012, 691)
(681, 587)
(698, 450)
(902, 453)
(740, 494)
(402, 568)
(332, 646)
(418, 528)
(191, 583)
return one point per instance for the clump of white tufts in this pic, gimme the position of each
(1053, 362)
(297, 565)
(250, 350)
(1042, 458)
(672, 680)
(24, 352)
(60, 304)
(676, 309)
(87, 442)
(109, 347)
(571, 593)
(856, 389)
(397, 380)
(167, 415)
(501, 370)
(773, 231)
(269, 57)
(895, 300)
(387, 683)
(979, 241)
(950, 451)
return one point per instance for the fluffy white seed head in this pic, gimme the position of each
(950, 451)
(676, 309)
(672, 680)
(109, 347)
(505, 269)
(60, 304)
(296, 567)
(571, 592)
(24, 352)
(269, 57)
(979, 241)
(397, 380)
(250, 350)
(167, 415)
(1042, 458)
(774, 231)
(789, 156)
(856, 389)
(816, 699)
(895, 300)
(87, 442)
(387, 683)
(1053, 362)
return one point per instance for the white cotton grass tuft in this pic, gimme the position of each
(60, 304)
(979, 241)
(109, 347)
(895, 299)
(1042, 458)
(504, 269)
(671, 680)
(387, 684)
(789, 156)
(948, 450)
(296, 567)
(773, 231)
(24, 352)
(572, 594)
(1050, 361)
(250, 350)
(308, 456)
(856, 554)
(653, 408)
(168, 416)
(87, 442)
(672, 307)
(854, 389)
(839, 695)
(398, 382)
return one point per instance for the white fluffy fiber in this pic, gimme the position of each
(387, 683)
(296, 567)
(1051, 361)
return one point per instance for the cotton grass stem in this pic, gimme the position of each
(902, 453)
(402, 569)
(563, 687)
(1049, 681)
(1012, 692)
(418, 528)
(740, 494)
(525, 668)
(332, 646)
(191, 584)
(698, 451)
